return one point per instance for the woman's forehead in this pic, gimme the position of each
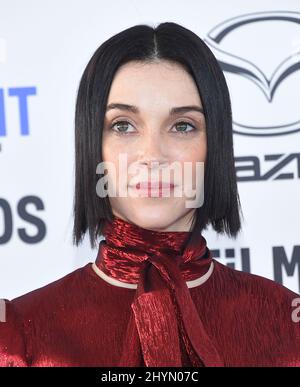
(153, 85)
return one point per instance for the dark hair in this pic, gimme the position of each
(169, 41)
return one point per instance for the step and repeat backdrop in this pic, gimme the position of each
(44, 48)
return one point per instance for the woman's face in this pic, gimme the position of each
(151, 140)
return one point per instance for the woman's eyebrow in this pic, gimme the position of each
(135, 109)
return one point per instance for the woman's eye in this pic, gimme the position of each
(182, 126)
(121, 126)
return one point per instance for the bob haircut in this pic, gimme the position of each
(172, 42)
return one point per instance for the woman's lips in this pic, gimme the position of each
(151, 188)
(154, 185)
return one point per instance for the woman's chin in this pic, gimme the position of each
(153, 220)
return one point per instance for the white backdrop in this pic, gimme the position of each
(44, 47)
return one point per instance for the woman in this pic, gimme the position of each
(152, 98)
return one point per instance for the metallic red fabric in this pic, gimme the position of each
(163, 310)
(82, 320)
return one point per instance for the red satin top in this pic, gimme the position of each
(80, 320)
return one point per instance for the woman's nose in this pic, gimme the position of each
(152, 150)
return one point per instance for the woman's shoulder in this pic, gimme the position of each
(63, 289)
(40, 305)
(253, 284)
(12, 348)
(260, 300)
(259, 315)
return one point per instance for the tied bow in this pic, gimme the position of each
(164, 328)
